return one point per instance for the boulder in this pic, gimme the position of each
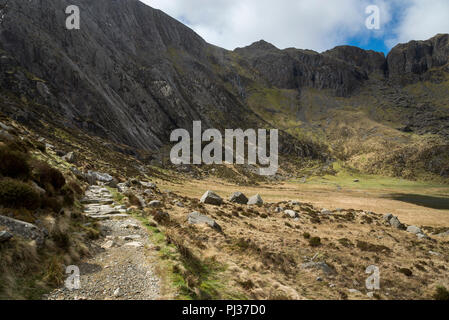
(414, 230)
(24, 229)
(198, 218)
(395, 223)
(388, 217)
(239, 198)
(211, 198)
(255, 200)
(5, 236)
(291, 213)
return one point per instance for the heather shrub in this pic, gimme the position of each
(17, 194)
(47, 175)
(13, 164)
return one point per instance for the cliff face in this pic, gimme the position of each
(132, 74)
(415, 58)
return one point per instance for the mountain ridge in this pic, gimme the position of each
(132, 74)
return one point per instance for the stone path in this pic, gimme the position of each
(121, 266)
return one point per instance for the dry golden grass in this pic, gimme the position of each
(322, 196)
(263, 251)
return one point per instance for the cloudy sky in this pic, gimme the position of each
(309, 24)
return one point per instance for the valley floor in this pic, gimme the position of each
(415, 203)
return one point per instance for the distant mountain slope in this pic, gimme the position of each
(132, 74)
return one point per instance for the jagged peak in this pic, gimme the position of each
(260, 45)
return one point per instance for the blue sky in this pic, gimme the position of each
(309, 24)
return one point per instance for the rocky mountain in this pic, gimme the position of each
(132, 74)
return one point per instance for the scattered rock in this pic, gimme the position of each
(291, 213)
(422, 236)
(198, 218)
(108, 244)
(132, 226)
(69, 157)
(326, 212)
(134, 244)
(131, 237)
(354, 291)
(370, 294)
(444, 234)
(211, 198)
(239, 198)
(149, 185)
(319, 266)
(255, 200)
(117, 292)
(155, 204)
(180, 204)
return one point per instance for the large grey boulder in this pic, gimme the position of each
(211, 198)
(24, 229)
(255, 200)
(395, 223)
(414, 230)
(5, 236)
(239, 198)
(198, 218)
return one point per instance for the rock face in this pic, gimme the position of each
(24, 229)
(198, 218)
(415, 58)
(211, 198)
(239, 198)
(255, 200)
(153, 72)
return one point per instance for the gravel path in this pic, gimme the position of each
(121, 267)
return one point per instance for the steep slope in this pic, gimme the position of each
(130, 73)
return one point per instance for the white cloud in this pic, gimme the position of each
(421, 20)
(310, 24)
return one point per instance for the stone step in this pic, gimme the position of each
(108, 216)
